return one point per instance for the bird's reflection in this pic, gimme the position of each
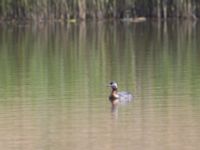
(114, 111)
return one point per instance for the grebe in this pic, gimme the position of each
(122, 97)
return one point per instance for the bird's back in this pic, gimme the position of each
(125, 97)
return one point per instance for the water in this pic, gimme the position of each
(53, 92)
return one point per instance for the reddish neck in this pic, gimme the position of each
(114, 92)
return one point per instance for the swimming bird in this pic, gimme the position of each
(116, 97)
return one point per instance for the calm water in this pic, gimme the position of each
(53, 93)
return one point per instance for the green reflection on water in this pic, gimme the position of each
(167, 60)
(73, 61)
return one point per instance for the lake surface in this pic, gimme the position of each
(53, 93)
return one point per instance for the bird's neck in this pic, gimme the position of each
(114, 96)
(114, 92)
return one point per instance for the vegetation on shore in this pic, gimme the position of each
(97, 9)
